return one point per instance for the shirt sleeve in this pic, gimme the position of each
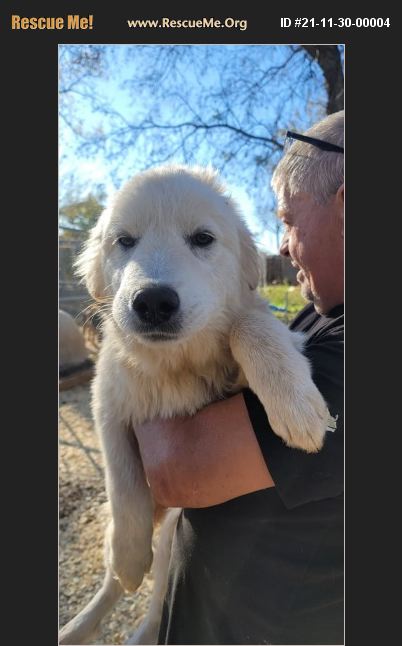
(302, 477)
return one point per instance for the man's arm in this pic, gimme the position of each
(205, 459)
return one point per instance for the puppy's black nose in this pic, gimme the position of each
(155, 305)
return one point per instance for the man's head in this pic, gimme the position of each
(308, 183)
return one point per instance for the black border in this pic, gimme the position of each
(31, 163)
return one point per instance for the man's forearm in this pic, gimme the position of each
(205, 459)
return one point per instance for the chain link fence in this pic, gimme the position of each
(73, 296)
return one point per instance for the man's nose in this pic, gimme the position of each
(284, 248)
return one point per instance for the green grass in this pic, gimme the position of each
(284, 296)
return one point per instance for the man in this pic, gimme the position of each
(258, 553)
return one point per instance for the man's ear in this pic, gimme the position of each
(340, 204)
(88, 265)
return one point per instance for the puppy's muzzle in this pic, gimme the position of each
(156, 306)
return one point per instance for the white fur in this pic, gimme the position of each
(228, 339)
(72, 350)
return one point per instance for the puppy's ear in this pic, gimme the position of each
(249, 258)
(88, 265)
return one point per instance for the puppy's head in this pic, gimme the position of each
(171, 254)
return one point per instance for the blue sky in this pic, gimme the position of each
(98, 169)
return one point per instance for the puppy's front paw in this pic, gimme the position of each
(128, 560)
(300, 417)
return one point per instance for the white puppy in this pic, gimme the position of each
(176, 270)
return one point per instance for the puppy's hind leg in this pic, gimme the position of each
(147, 632)
(82, 629)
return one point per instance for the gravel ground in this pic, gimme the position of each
(83, 518)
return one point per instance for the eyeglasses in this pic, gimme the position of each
(323, 145)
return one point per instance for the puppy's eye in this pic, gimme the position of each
(126, 241)
(201, 239)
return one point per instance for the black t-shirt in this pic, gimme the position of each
(267, 567)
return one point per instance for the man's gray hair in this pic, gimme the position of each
(308, 169)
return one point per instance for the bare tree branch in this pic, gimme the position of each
(329, 59)
(195, 104)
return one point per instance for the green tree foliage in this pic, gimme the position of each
(80, 216)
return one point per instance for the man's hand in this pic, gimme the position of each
(205, 459)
